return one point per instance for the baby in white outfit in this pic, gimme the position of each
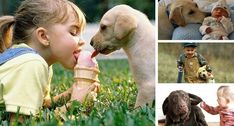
(217, 26)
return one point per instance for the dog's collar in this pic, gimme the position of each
(168, 14)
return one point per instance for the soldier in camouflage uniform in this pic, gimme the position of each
(190, 61)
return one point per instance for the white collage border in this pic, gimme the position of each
(176, 41)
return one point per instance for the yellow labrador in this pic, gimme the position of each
(179, 12)
(127, 28)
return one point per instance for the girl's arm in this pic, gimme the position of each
(74, 93)
(64, 96)
(48, 103)
(20, 118)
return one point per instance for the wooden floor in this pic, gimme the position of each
(209, 124)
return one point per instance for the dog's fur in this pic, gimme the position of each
(181, 12)
(202, 74)
(127, 28)
(181, 110)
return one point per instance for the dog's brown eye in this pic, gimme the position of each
(191, 12)
(103, 27)
(196, 5)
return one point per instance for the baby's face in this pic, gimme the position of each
(219, 12)
(189, 51)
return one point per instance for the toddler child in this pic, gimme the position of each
(225, 108)
(190, 61)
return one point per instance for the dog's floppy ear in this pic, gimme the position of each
(124, 24)
(165, 106)
(176, 16)
(194, 99)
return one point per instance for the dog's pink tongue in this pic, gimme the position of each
(95, 53)
(86, 60)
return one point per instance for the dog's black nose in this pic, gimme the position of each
(91, 43)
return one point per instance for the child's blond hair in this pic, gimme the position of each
(227, 92)
(33, 14)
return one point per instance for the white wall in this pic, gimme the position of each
(206, 91)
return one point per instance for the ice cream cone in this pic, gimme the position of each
(85, 76)
(86, 73)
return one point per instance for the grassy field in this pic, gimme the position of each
(115, 105)
(219, 57)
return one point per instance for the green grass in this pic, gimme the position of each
(167, 70)
(115, 105)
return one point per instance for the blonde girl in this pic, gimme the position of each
(41, 33)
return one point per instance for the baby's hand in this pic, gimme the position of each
(202, 104)
(219, 19)
(208, 30)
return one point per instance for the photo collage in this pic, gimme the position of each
(195, 85)
(117, 62)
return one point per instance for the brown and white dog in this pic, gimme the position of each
(130, 29)
(203, 74)
(179, 12)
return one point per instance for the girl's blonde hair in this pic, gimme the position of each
(32, 14)
(227, 92)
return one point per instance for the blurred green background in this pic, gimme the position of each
(218, 55)
(93, 9)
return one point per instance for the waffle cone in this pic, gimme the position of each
(85, 76)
